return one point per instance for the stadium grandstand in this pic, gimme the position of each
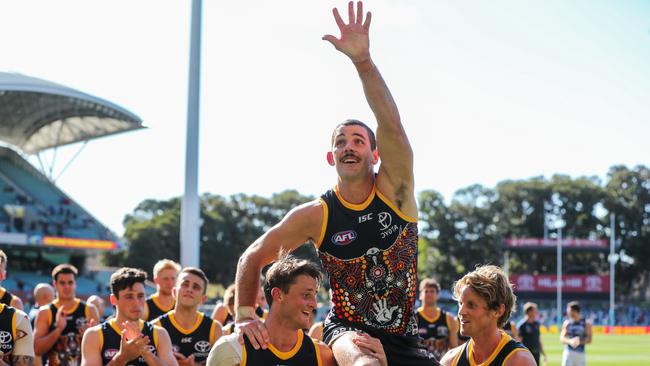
(40, 225)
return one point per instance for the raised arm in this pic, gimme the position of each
(395, 177)
(300, 225)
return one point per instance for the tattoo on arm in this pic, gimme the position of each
(22, 360)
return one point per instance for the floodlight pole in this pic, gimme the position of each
(190, 207)
(612, 268)
(559, 277)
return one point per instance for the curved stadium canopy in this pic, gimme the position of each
(36, 114)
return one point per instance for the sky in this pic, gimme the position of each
(487, 91)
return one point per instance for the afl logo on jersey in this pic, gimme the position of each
(110, 353)
(344, 237)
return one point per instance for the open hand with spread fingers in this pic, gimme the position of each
(354, 41)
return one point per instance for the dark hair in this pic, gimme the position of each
(529, 306)
(429, 283)
(574, 305)
(354, 122)
(283, 273)
(64, 268)
(197, 272)
(229, 295)
(126, 277)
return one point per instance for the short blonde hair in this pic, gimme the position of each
(165, 264)
(492, 285)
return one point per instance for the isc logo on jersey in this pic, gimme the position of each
(344, 237)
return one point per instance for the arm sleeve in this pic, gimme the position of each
(24, 343)
(226, 352)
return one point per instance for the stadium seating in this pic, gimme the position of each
(48, 211)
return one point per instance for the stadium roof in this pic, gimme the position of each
(37, 114)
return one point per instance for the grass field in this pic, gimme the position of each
(626, 350)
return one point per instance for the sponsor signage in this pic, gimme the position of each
(547, 243)
(570, 283)
(55, 241)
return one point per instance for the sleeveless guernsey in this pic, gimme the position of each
(198, 340)
(8, 332)
(111, 337)
(304, 353)
(67, 349)
(5, 296)
(154, 310)
(369, 252)
(507, 346)
(434, 331)
(577, 329)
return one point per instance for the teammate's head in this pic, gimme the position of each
(98, 302)
(530, 308)
(165, 272)
(485, 300)
(127, 292)
(3, 265)
(429, 292)
(229, 299)
(43, 294)
(290, 289)
(190, 288)
(64, 279)
(354, 149)
(573, 310)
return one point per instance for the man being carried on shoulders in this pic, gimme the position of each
(365, 227)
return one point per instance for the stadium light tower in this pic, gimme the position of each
(558, 223)
(190, 208)
(613, 258)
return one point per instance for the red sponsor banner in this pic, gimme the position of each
(546, 243)
(570, 283)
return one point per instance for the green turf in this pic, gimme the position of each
(624, 350)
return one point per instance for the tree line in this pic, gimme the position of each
(455, 236)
